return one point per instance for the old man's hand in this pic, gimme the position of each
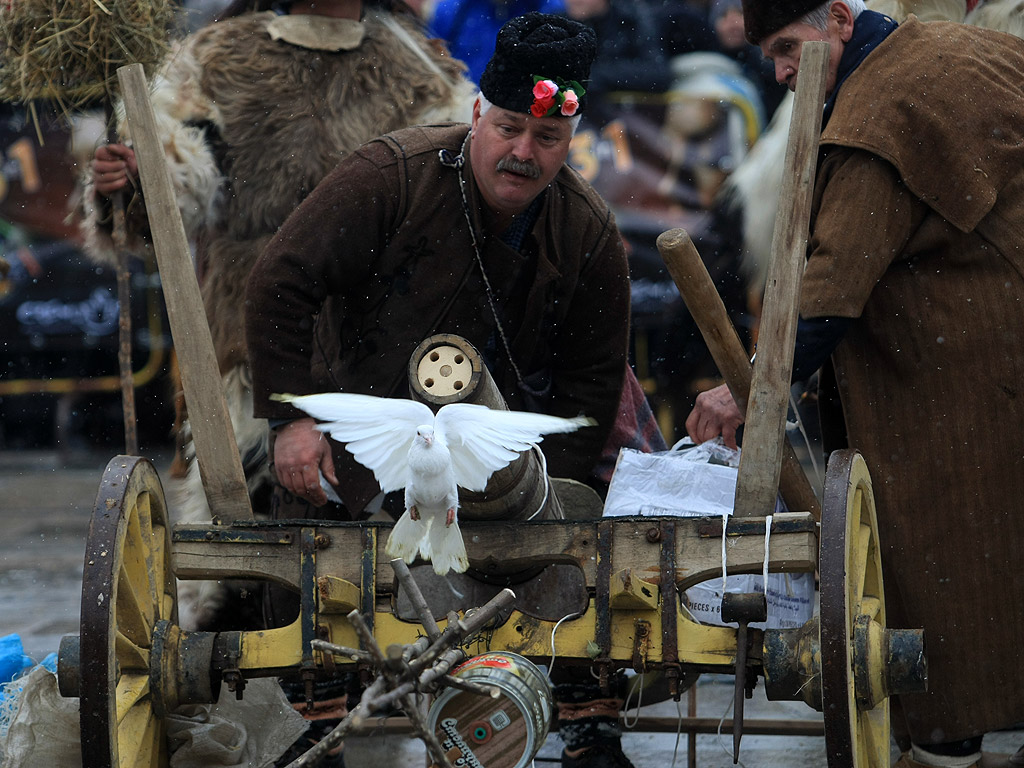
(301, 453)
(715, 413)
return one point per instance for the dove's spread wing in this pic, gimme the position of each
(482, 440)
(377, 431)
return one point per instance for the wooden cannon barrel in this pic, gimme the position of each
(446, 368)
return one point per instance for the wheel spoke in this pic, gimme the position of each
(129, 655)
(870, 734)
(160, 574)
(131, 688)
(137, 738)
(138, 563)
(870, 605)
(134, 608)
(861, 557)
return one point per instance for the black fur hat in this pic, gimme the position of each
(540, 46)
(764, 17)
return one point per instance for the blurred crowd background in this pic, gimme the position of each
(678, 100)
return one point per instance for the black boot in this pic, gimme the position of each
(608, 754)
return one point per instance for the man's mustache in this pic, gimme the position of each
(521, 167)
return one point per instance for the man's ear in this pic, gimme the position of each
(843, 16)
(476, 113)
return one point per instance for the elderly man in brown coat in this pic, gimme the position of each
(912, 299)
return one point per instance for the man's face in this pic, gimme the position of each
(783, 47)
(515, 156)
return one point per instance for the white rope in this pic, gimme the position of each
(639, 687)
(807, 440)
(547, 482)
(554, 629)
(721, 743)
(725, 574)
(679, 730)
(767, 537)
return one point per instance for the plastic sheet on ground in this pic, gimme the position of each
(43, 727)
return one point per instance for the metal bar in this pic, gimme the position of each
(395, 726)
(669, 609)
(308, 594)
(368, 577)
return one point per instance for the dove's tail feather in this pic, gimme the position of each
(405, 538)
(447, 550)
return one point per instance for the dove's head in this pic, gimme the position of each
(425, 435)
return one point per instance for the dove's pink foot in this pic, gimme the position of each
(414, 513)
(450, 517)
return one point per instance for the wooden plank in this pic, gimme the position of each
(708, 311)
(216, 450)
(761, 461)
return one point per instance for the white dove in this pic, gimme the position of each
(407, 446)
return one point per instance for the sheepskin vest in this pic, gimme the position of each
(252, 124)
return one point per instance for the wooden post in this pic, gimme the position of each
(708, 311)
(764, 432)
(216, 449)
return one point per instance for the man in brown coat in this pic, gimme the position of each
(912, 298)
(481, 231)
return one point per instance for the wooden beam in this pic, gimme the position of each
(216, 449)
(764, 432)
(708, 311)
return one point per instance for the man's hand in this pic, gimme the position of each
(112, 166)
(300, 454)
(715, 413)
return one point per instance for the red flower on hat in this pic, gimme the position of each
(545, 90)
(541, 107)
(550, 97)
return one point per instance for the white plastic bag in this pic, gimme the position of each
(700, 481)
(688, 480)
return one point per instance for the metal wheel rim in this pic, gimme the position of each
(127, 587)
(851, 585)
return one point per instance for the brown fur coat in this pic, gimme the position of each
(252, 125)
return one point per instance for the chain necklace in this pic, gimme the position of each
(457, 162)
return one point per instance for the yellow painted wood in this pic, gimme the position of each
(129, 655)
(273, 648)
(130, 690)
(337, 595)
(630, 593)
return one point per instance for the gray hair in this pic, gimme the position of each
(574, 121)
(818, 18)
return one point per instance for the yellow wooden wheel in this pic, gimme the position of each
(128, 598)
(854, 658)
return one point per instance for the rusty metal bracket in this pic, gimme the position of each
(307, 608)
(641, 644)
(602, 605)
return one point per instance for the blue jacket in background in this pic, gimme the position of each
(470, 27)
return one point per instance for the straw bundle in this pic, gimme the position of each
(67, 51)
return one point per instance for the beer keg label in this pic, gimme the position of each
(453, 742)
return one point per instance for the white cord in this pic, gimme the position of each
(555, 629)
(807, 440)
(725, 524)
(639, 703)
(679, 730)
(719, 734)
(547, 481)
(767, 536)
